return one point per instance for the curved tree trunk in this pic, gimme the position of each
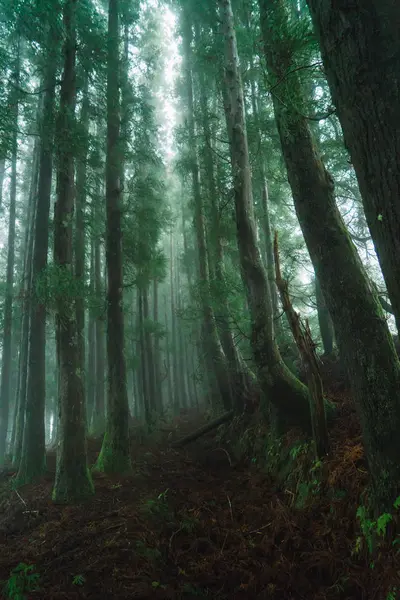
(363, 337)
(360, 46)
(73, 481)
(281, 388)
(115, 452)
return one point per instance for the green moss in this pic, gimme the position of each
(30, 470)
(112, 458)
(69, 490)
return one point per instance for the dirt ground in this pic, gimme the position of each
(192, 523)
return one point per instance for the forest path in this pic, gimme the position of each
(185, 524)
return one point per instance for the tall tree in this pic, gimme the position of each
(363, 337)
(359, 43)
(5, 382)
(115, 453)
(280, 386)
(73, 481)
(33, 451)
(217, 362)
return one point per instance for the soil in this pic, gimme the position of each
(194, 523)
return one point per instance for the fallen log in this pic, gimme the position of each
(191, 437)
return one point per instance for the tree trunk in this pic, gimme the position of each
(156, 350)
(143, 361)
(148, 348)
(91, 408)
(324, 320)
(26, 302)
(363, 337)
(5, 382)
(216, 358)
(2, 174)
(288, 395)
(73, 481)
(32, 461)
(80, 219)
(115, 452)
(99, 417)
(365, 88)
(174, 343)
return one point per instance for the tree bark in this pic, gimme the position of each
(5, 381)
(2, 174)
(99, 417)
(81, 170)
(73, 481)
(281, 388)
(26, 302)
(32, 462)
(324, 320)
(363, 337)
(360, 48)
(115, 452)
(216, 358)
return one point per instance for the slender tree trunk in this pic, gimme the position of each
(25, 303)
(115, 453)
(156, 349)
(174, 346)
(280, 386)
(363, 338)
(143, 361)
(91, 408)
(215, 355)
(5, 381)
(2, 174)
(80, 219)
(73, 481)
(99, 417)
(32, 461)
(365, 87)
(149, 358)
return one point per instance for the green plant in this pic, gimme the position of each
(157, 507)
(298, 450)
(23, 580)
(147, 552)
(392, 594)
(79, 580)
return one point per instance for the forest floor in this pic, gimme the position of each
(193, 523)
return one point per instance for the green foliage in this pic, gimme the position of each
(79, 580)
(158, 507)
(21, 582)
(152, 554)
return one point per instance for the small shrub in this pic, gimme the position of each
(23, 580)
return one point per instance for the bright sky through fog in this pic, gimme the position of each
(172, 62)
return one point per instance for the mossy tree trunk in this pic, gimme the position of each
(73, 481)
(360, 46)
(115, 452)
(363, 338)
(281, 388)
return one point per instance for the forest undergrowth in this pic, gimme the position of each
(200, 523)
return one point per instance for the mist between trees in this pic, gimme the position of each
(148, 153)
